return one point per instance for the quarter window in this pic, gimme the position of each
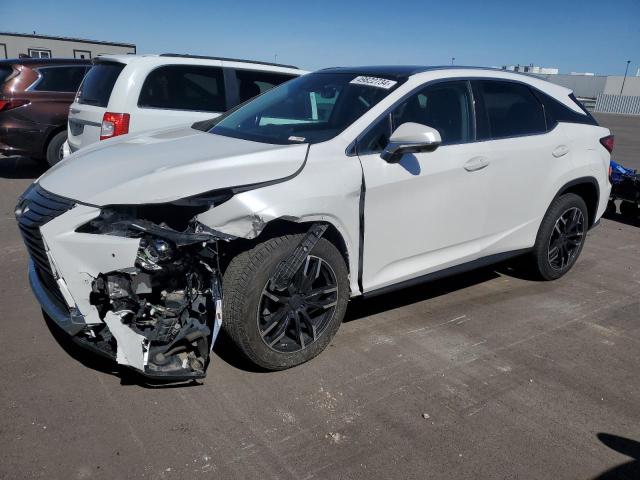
(178, 87)
(59, 79)
(252, 83)
(512, 109)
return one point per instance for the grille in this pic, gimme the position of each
(36, 208)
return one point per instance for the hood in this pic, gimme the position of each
(162, 166)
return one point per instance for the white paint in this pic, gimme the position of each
(132, 349)
(384, 83)
(424, 214)
(126, 92)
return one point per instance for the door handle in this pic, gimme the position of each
(560, 150)
(476, 163)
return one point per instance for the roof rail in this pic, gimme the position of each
(224, 59)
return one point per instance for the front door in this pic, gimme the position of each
(428, 211)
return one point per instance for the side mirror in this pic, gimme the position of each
(410, 138)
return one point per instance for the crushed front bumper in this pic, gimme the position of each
(71, 322)
(63, 265)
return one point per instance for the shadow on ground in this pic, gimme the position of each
(629, 470)
(21, 167)
(618, 217)
(358, 308)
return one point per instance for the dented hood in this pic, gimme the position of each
(166, 165)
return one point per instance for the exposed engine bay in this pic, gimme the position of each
(170, 302)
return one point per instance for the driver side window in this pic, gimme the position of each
(446, 106)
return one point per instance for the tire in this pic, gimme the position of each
(54, 149)
(247, 299)
(545, 264)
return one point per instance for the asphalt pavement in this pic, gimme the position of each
(484, 375)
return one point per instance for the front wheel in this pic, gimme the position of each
(278, 329)
(561, 237)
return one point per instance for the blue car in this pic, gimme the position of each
(625, 186)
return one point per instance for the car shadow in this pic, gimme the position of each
(361, 307)
(618, 217)
(225, 350)
(102, 364)
(629, 470)
(21, 167)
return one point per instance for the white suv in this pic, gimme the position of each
(132, 93)
(343, 182)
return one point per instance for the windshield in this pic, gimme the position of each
(309, 109)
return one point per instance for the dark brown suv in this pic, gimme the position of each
(35, 95)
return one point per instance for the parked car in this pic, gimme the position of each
(340, 183)
(133, 93)
(35, 95)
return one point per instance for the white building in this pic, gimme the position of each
(18, 45)
(531, 68)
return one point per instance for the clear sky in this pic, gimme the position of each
(586, 35)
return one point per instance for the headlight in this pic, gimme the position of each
(153, 252)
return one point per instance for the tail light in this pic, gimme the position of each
(607, 142)
(114, 124)
(11, 104)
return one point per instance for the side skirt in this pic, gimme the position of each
(447, 272)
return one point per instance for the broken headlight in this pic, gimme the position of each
(171, 296)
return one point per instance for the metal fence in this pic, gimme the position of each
(625, 104)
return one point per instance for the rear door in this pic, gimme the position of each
(92, 99)
(179, 95)
(525, 157)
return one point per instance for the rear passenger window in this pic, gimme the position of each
(183, 87)
(512, 109)
(252, 83)
(59, 79)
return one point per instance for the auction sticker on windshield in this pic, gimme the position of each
(374, 82)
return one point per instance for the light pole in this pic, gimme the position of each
(453, 60)
(625, 76)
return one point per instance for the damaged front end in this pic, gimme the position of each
(162, 315)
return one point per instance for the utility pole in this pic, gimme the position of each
(625, 76)
(275, 58)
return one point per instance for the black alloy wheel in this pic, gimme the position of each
(293, 319)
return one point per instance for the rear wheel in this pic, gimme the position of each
(278, 329)
(561, 237)
(54, 149)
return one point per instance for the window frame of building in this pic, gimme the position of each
(81, 52)
(31, 51)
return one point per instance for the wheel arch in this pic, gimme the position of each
(285, 226)
(52, 133)
(586, 188)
